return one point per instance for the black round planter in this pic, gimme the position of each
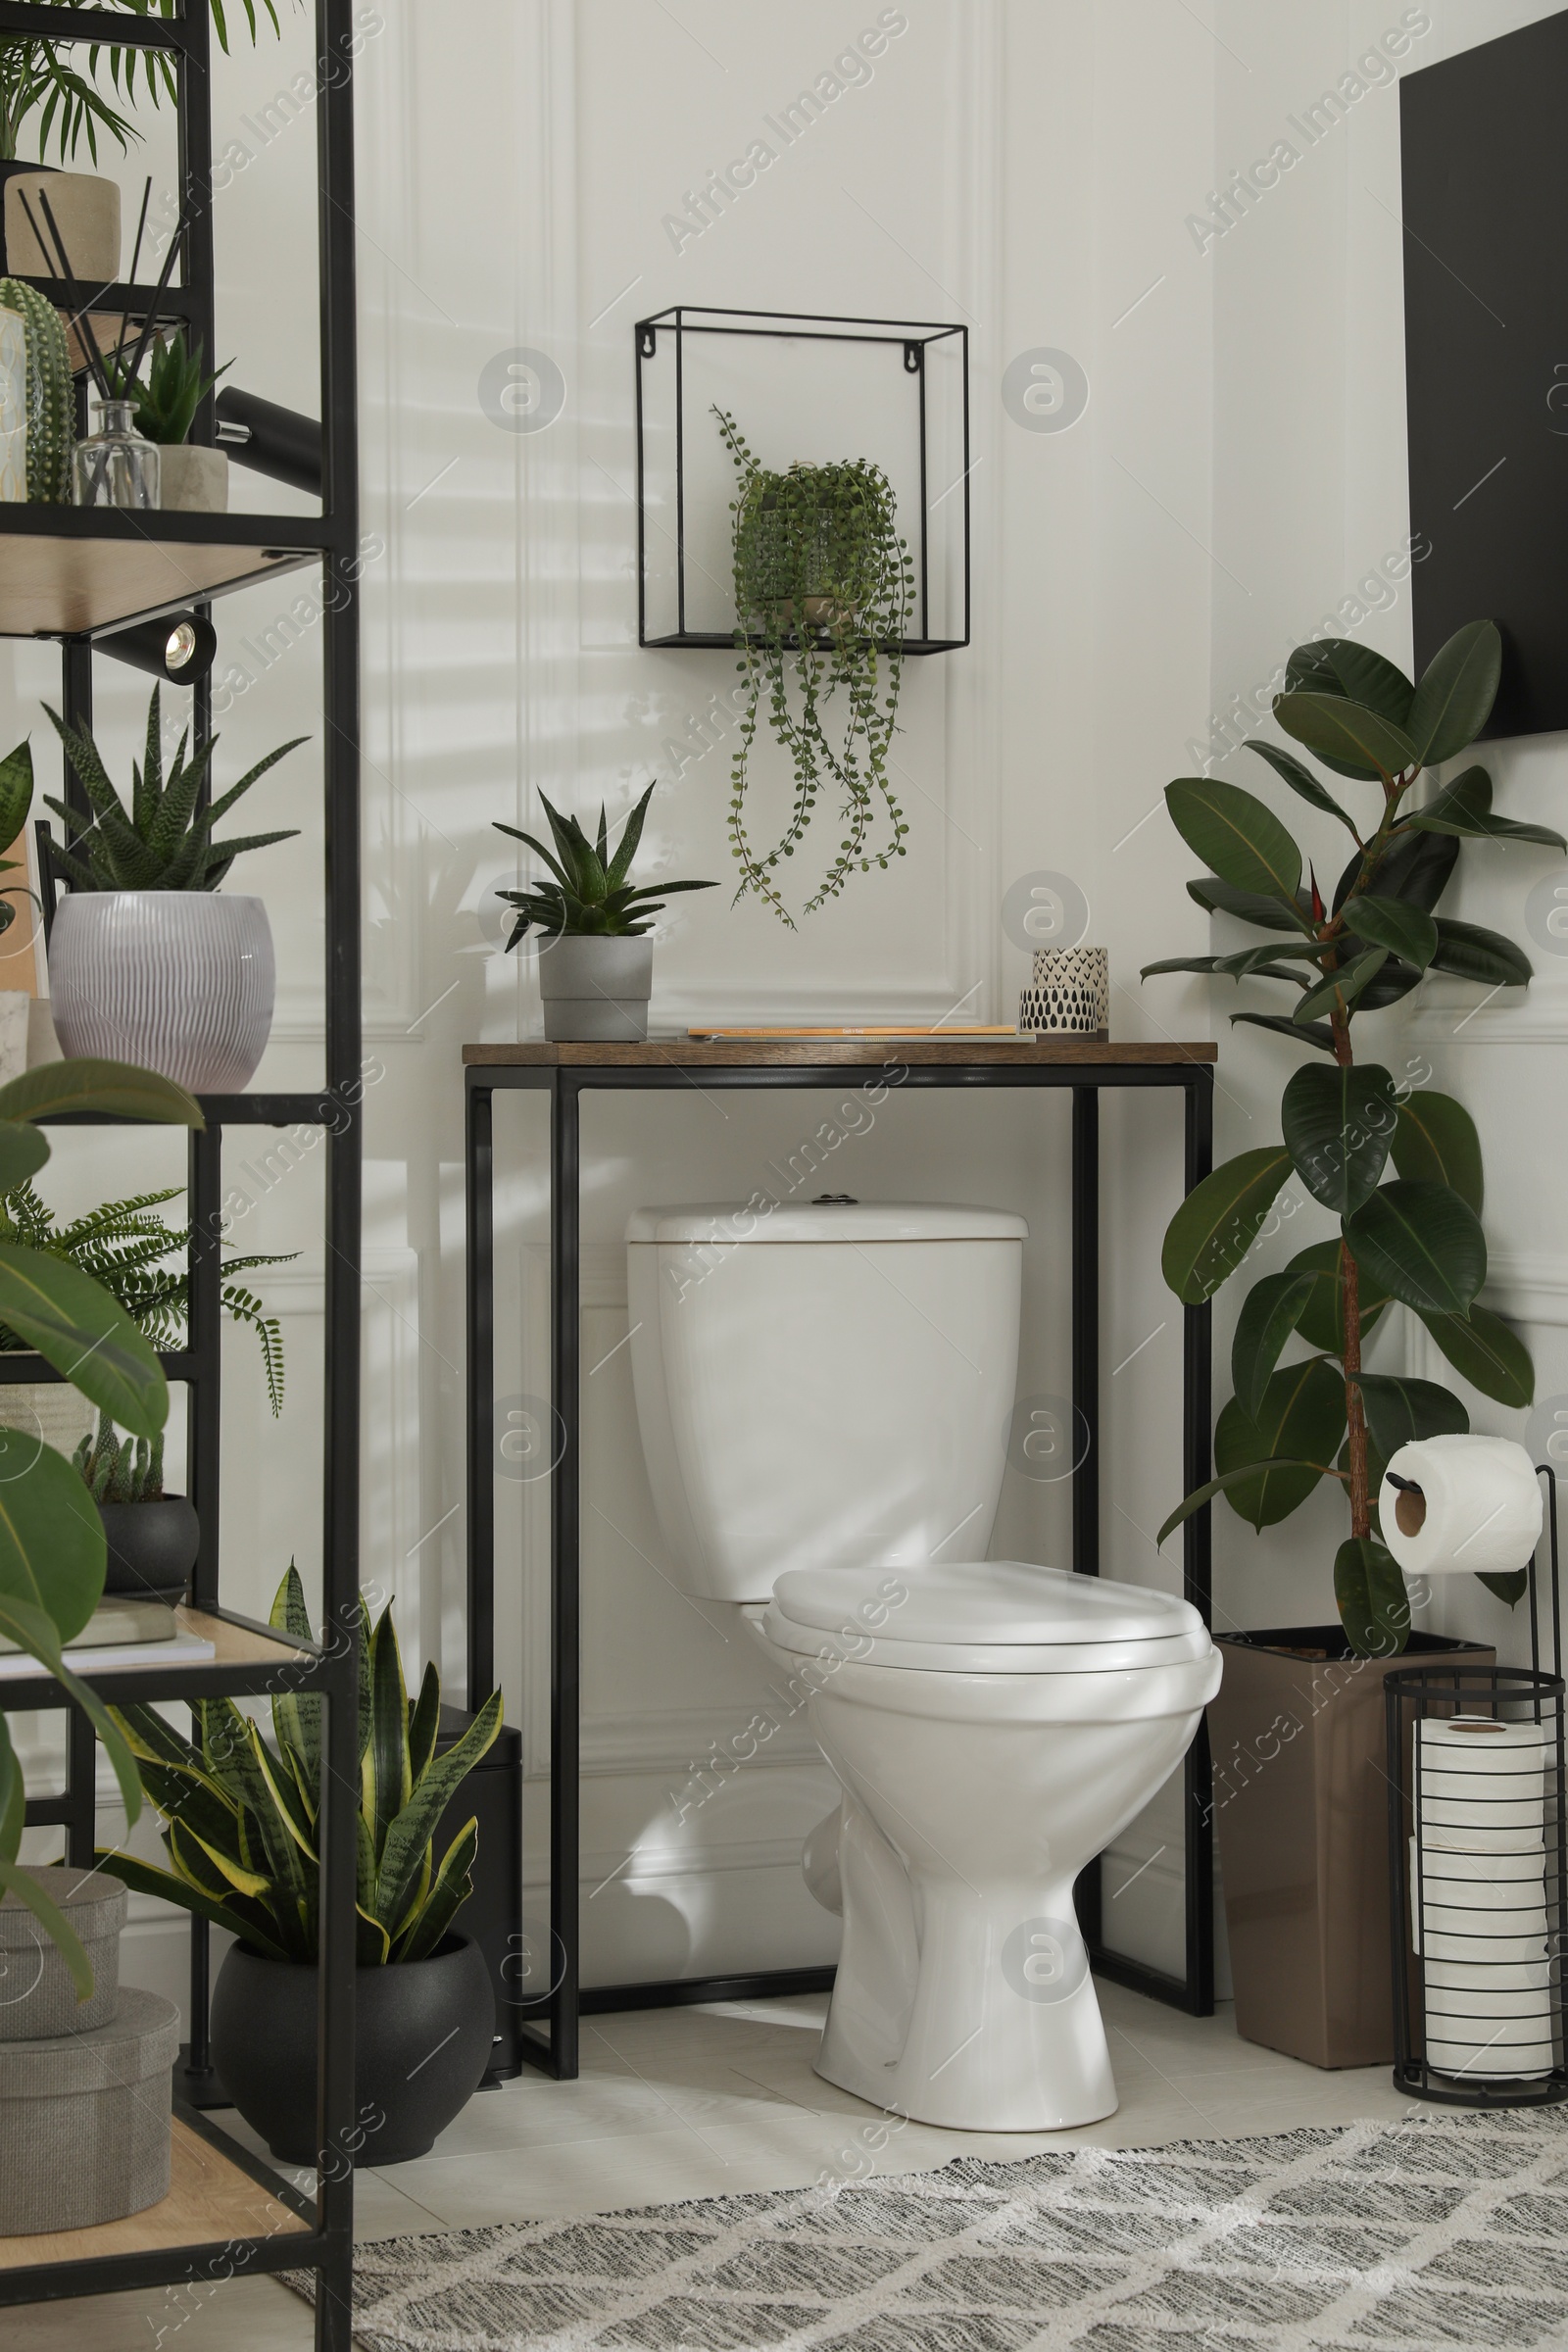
(421, 2040)
(152, 1547)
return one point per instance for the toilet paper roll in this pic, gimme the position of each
(1451, 1981)
(1478, 1511)
(1478, 1907)
(1480, 1786)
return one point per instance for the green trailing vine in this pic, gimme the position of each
(823, 591)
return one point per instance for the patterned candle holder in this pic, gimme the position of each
(1069, 994)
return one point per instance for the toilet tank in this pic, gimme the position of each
(822, 1385)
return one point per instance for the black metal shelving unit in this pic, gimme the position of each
(77, 576)
(565, 1075)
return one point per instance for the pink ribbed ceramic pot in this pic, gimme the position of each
(177, 981)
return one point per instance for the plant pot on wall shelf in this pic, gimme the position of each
(86, 212)
(194, 480)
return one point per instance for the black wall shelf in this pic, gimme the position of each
(76, 575)
(896, 389)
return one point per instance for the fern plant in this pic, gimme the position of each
(240, 1812)
(124, 1246)
(164, 841)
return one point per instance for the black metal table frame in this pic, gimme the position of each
(555, 2049)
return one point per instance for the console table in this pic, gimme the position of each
(565, 1073)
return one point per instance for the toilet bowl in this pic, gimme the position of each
(992, 1727)
(824, 1391)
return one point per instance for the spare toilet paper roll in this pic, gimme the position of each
(1478, 1510)
(1469, 1906)
(1480, 1784)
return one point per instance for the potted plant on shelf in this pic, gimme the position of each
(823, 591)
(1301, 1796)
(164, 405)
(240, 1830)
(595, 960)
(152, 1536)
(52, 1551)
(146, 957)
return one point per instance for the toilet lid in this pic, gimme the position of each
(720, 1224)
(981, 1616)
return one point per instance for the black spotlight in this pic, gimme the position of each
(271, 440)
(181, 648)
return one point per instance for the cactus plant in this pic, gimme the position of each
(51, 394)
(119, 1469)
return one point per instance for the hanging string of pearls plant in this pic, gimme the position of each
(825, 587)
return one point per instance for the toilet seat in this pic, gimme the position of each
(981, 1617)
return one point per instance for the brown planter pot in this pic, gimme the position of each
(1300, 1805)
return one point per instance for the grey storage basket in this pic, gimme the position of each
(84, 2120)
(37, 1997)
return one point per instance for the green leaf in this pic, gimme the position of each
(1510, 1587)
(1236, 834)
(1203, 1496)
(1416, 867)
(108, 1089)
(1399, 1411)
(1342, 987)
(1393, 923)
(1338, 1124)
(425, 1725)
(1301, 1421)
(1456, 691)
(449, 1891)
(1218, 897)
(1374, 1606)
(1270, 1314)
(52, 1552)
(1336, 728)
(22, 1153)
(1423, 1243)
(16, 792)
(1300, 1033)
(36, 1630)
(1219, 1221)
(1321, 1322)
(17, 1881)
(410, 1836)
(1338, 666)
(1464, 809)
(145, 1878)
(388, 1775)
(1488, 1352)
(81, 1329)
(1301, 779)
(1475, 953)
(1437, 1141)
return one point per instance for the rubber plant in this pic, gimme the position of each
(823, 591)
(240, 1813)
(52, 1550)
(1400, 1169)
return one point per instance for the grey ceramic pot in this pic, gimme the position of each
(422, 2032)
(180, 981)
(152, 1547)
(595, 989)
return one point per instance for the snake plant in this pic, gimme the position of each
(240, 1812)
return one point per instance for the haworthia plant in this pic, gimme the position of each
(240, 1811)
(1401, 1170)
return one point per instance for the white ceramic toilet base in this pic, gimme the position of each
(975, 2012)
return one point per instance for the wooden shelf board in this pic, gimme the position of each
(234, 1644)
(210, 2201)
(685, 1052)
(75, 587)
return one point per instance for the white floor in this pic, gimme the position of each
(702, 2102)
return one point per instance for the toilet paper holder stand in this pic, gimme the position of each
(1478, 1885)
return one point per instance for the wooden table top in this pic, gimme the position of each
(759, 1053)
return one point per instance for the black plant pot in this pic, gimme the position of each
(421, 2040)
(152, 1547)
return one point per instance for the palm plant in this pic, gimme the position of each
(51, 1547)
(124, 1246)
(1417, 1238)
(34, 78)
(240, 1814)
(590, 897)
(163, 840)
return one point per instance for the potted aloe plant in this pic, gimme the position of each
(191, 480)
(1298, 1724)
(595, 960)
(823, 590)
(145, 956)
(240, 1817)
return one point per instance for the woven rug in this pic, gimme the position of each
(1446, 2230)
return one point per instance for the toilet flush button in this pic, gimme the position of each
(1044, 1960)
